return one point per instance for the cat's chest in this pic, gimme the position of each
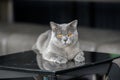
(71, 52)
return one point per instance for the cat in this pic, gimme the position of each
(60, 44)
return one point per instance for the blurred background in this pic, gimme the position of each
(22, 21)
(91, 14)
(96, 13)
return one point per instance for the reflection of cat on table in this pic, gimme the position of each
(60, 44)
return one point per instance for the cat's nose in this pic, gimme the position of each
(65, 40)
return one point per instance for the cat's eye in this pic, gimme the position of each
(59, 35)
(69, 34)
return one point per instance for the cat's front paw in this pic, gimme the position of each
(79, 58)
(61, 60)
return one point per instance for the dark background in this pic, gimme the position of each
(103, 15)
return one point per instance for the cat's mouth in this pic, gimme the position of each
(67, 44)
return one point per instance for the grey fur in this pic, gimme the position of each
(62, 49)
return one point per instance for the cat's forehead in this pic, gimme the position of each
(63, 26)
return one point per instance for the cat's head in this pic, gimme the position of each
(65, 33)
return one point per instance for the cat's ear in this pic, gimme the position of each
(53, 25)
(74, 24)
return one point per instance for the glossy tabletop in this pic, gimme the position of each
(28, 62)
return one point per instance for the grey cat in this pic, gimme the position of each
(60, 44)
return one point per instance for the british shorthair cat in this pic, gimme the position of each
(60, 44)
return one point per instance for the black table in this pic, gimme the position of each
(26, 64)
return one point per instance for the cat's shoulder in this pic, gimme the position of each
(44, 36)
(46, 32)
